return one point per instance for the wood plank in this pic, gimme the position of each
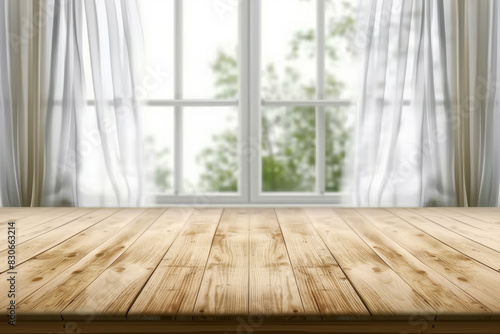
(111, 295)
(467, 220)
(472, 277)
(13, 214)
(462, 222)
(324, 288)
(7, 213)
(466, 246)
(384, 292)
(178, 276)
(26, 218)
(448, 300)
(489, 238)
(41, 269)
(50, 299)
(489, 215)
(224, 288)
(25, 234)
(42, 243)
(273, 288)
(215, 263)
(35, 216)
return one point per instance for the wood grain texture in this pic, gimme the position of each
(59, 292)
(488, 236)
(467, 274)
(18, 214)
(382, 290)
(111, 295)
(178, 277)
(466, 246)
(323, 286)
(44, 242)
(224, 289)
(489, 215)
(42, 268)
(256, 269)
(28, 233)
(31, 218)
(468, 220)
(450, 302)
(273, 288)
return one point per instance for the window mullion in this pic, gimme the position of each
(245, 143)
(192, 103)
(178, 83)
(306, 103)
(320, 95)
(255, 140)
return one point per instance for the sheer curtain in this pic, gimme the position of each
(89, 140)
(403, 153)
(428, 114)
(21, 116)
(477, 143)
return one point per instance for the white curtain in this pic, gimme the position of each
(21, 119)
(9, 180)
(477, 139)
(428, 113)
(403, 153)
(91, 138)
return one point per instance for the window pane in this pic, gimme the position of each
(158, 30)
(210, 149)
(339, 130)
(210, 49)
(288, 149)
(158, 133)
(288, 49)
(342, 60)
(90, 154)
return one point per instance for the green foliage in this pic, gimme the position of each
(220, 163)
(337, 134)
(288, 135)
(226, 83)
(162, 173)
(220, 159)
(288, 149)
(158, 162)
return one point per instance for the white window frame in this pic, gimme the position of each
(249, 104)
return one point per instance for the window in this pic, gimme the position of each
(247, 101)
(191, 117)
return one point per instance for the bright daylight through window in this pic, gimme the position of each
(247, 101)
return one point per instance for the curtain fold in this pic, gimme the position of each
(10, 194)
(96, 159)
(22, 115)
(62, 143)
(427, 126)
(477, 137)
(403, 143)
(428, 113)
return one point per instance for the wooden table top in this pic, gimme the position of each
(281, 265)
